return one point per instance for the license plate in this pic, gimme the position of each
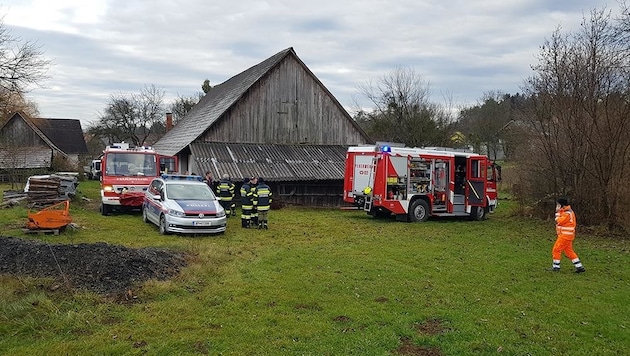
(201, 223)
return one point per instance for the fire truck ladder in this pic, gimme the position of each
(367, 206)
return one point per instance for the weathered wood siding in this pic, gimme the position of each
(17, 133)
(311, 193)
(286, 106)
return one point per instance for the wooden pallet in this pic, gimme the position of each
(41, 231)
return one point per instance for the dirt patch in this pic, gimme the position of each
(431, 327)
(99, 267)
(342, 319)
(408, 348)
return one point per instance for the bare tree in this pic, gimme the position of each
(21, 62)
(401, 110)
(580, 119)
(183, 104)
(11, 102)
(132, 117)
(489, 124)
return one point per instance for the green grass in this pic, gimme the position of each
(330, 282)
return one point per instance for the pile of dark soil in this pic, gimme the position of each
(99, 267)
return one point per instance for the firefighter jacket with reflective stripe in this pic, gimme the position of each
(565, 223)
(225, 190)
(247, 193)
(262, 197)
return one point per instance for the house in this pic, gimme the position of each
(34, 142)
(275, 120)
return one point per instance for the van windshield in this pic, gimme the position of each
(189, 192)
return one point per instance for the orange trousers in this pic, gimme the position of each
(563, 245)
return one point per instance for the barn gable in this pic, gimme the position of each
(247, 108)
(288, 105)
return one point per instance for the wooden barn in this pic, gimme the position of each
(31, 143)
(275, 120)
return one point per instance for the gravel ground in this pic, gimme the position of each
(99, 267)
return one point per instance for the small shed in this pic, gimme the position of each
(276, 120)
(34, 142)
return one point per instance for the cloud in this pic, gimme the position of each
(103, 47)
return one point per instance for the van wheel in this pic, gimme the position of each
(419, 211)
(478, 213)
(145, 218)
(163, 228)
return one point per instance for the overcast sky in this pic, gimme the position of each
(463, 48)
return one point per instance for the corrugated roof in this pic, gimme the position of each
(274, 162)
(220, 98)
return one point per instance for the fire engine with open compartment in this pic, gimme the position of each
(126, 173)
(416, 183)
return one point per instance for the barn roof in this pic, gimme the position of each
(274, 162)
(221, 98)
(65, 134)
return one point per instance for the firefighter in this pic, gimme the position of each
(460, 180)
(225, 193)
(262, 202)
(247, 192)
(565, 229)
(253, 183)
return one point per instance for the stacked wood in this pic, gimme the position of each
(46, 190)
(11, 198)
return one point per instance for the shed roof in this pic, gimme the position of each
(274, 162)
(65, 134)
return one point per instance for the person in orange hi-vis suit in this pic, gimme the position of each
(565, 229)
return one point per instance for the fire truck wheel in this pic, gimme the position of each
(478, 213)
(163, 229)
(419, 211)
(105, 209)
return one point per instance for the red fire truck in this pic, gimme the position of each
(126, 173)
(415, 183)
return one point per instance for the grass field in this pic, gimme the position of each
(331, 282)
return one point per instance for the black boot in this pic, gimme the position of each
(243, 223)
(265, 225)
(254, 221)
